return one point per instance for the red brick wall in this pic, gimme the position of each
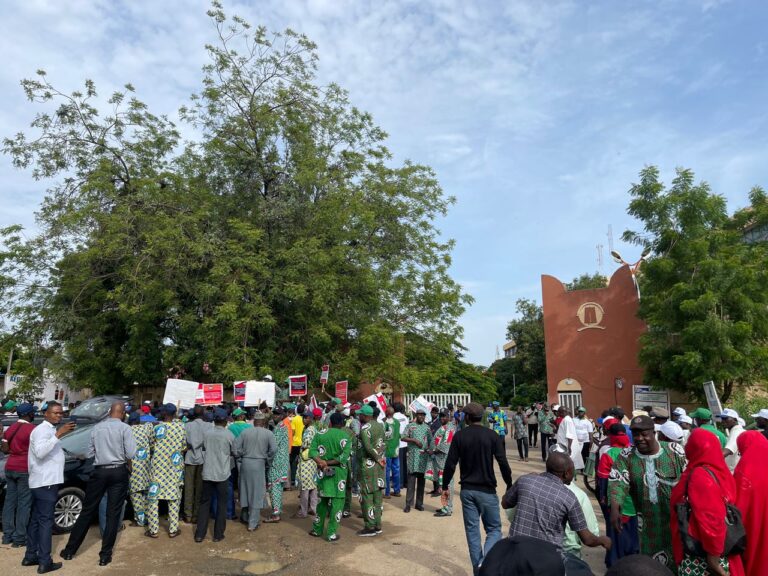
(594, 356)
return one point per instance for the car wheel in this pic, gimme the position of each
(68, 507)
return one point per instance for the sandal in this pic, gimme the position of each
(272, 520)
(174, 534)
(149, 534)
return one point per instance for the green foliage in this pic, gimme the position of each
(526, 373)
(587, 282)
(704, 289)
(281, 239)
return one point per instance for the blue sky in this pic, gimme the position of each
(537, 116)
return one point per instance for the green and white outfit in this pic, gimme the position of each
(277, 474)
(331, 444)
(370, 459)
(443, 439)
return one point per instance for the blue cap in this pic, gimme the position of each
(24, 409)
(134, 418)
(169, 408)
(220, 415)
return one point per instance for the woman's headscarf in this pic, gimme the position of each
(751, 439)
(751, 476)
(703, 449)
(618, 436)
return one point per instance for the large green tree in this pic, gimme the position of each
(523, 377)
(281, 238)
(704, 288)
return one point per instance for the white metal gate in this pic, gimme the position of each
(570, 400)
(440, 400)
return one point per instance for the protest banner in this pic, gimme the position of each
(182, 393)
(297, 385)
(342, 391)
(258, 392)
(239, 390)
(421, 403)
(379, 399)
(324, 374)
(210, 394)
(313, 403)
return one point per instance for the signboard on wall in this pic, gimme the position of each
(645, 396)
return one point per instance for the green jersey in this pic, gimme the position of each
(332, 444)
(392, 437)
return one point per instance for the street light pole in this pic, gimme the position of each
(514, 386)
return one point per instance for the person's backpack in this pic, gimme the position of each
(735, 533)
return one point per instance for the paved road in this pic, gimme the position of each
(415, 544)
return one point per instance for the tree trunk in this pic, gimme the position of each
(727, 391)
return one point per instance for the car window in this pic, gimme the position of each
(94, 409)
(76, 442)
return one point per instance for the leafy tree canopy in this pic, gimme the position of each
(587, 282)
(704, 288)
(523, 378)
(280, 239)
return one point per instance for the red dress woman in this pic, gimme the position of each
(708, 483)
(751, 476)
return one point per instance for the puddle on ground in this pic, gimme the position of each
(258, 563)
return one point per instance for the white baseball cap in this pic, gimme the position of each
(556, 407)
(762, 414)
(672, 431)
(679, 411)
(729, 413)
(685, 419)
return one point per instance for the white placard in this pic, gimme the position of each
(258, 392)
(181, 393)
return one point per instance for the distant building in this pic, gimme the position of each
(755, 233)
(510, 349)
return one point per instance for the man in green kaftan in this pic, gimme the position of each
(370, 466)
(647, 473)
(330, 450)
(419, 439)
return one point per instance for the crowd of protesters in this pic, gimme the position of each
(665, 482)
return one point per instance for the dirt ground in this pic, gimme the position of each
(416, 544)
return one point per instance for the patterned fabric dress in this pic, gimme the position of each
(278, 469)
(649, 480)
(418, 458)
(307, 467)
(169, 439)
(331, 444)
(139, 482)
